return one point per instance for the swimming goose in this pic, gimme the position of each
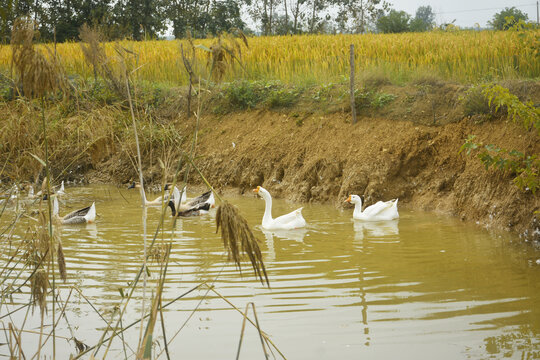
(62, 190)
(380, 211)
(292, 220)
(187, 210)
(82, 216)
(157, 201)
(194, 207)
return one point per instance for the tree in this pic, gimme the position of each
(356, 15)
(394, 22)
(298, 14)
(12, 9)
(225, 16)
(143, 18)
(507, 18)
(423, 20)
(263, 11)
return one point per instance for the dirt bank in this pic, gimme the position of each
(326, 158)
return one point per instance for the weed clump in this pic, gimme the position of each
(476, 103)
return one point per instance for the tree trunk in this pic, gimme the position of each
(286, 18)
(312, 23)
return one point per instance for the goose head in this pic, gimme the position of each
(134, 185)
(262, 192)
(354, 199)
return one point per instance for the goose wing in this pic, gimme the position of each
(203, 198)
(196, 210)
(382, 210)
(77, 213)
(375, 209)
(390, 211)
(291, 220)
(84, 215)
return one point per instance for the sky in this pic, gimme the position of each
(466, 12)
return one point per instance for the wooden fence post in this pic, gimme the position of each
(353, 107)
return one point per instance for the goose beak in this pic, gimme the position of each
(348, 199)
(257, 189)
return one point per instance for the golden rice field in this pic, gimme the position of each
(465, 56)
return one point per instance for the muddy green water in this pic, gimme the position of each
(423, 287)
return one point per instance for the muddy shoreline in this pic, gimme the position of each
(326, 158)
(309, 152)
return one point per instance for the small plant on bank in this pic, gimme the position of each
(524, 113)
(283, 98)
(523, 168)
(243, 94)
(372, 99)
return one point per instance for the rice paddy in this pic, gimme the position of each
(463, 56)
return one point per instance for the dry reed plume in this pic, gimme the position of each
(94, 53)
(225, 52)
(37, 73)
(238, 239)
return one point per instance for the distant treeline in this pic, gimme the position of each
(61, 20)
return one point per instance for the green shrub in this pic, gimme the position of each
(526, 114)
(244, 94)
(282, 98)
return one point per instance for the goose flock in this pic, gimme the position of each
(181, 206)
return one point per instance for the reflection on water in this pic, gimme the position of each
(375, 229)
(293, 234)
(419, 287)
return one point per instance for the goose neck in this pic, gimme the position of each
(267, 208)
(357, 208)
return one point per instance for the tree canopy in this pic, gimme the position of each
(394, 22)
(507, 18)
(61, 20)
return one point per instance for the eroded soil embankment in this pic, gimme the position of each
(324, 159)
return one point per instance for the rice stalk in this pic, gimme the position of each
(239, 240)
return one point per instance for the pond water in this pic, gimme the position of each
(421, 287)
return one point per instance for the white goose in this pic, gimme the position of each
(196, 206)
(380, 211)
(62, 190)
(292, 220)
(159, 200)
(82, 216)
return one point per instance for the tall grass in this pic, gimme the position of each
(464, 56)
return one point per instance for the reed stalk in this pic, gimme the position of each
(102, 341)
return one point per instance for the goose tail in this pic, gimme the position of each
(91, 215)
